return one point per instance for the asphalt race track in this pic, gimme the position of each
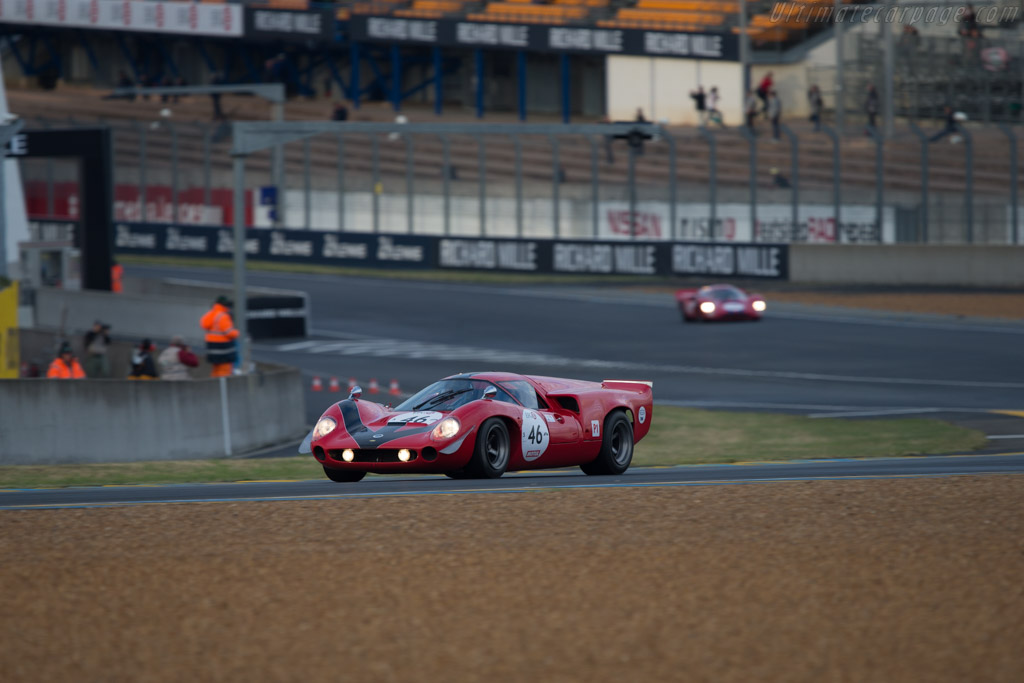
(798, 359)
(815, 361)
(378, 486)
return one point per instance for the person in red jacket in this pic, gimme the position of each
(65, 365)
(221, 334)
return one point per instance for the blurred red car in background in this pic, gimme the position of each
(719, 302)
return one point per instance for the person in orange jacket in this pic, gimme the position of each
(116, 276)
(221, 334)
(65, 365)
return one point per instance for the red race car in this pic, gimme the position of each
(482, 424)
(719, 302)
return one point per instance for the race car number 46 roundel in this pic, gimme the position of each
(535, 435)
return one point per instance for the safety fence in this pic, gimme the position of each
(580, 181)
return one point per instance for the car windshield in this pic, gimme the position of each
(726, 294)
(449, 394)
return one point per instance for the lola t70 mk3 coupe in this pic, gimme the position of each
(719, 302)
(482, 424)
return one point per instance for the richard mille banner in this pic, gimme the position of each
(292, 25)
(535, 37)
(721, 260)
(144, 16)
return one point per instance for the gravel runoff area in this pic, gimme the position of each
(862, 580)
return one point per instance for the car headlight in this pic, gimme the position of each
(707, 307)
(759, 306)
(446, 428)
(324, 427)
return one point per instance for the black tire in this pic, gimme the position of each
(686, 318)
(343, 476)
(616, 447)
(493, 451)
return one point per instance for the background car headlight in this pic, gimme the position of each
(446, 428)
(707, 307)
(324, 427)
(759, 306)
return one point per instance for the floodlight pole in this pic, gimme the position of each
(241, 307)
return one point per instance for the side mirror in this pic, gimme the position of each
(489, 393)
(356, 392)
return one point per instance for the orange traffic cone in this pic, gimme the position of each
(394, 390)
(317, 384)
(351, 384)
(374, 389)
(334, 385)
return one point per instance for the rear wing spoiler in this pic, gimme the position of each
(629, 385)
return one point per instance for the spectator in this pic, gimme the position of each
(779, 180)
(972, 47)
(340, 112)
(65, 365)
(814, 100)
(97, 343)
(218, 113)
(969, 22)
(640, 118)
(609, 154)
(751, 110)
(908, 43)
(117, 275)
(143, 365)
(176, 359)
(124, 81)
(763, 91)
(950, 125)
(871, 108)
(221, 334)
(699, 102)
(714, 114)
(774, 112)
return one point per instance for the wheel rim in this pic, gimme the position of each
(622, 445)
(496, 448)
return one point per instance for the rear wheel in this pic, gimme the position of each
(493, 448)
(616, 447)
(343, 476)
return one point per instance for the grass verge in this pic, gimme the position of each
(679, 436)
(689, 436)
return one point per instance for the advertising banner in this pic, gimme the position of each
(291, 25)
(143, 16)
(536, 37)
(721, 260)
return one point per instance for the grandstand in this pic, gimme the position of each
(418, 55)
(902, 169)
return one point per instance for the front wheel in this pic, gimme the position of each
(493, 447)
(343, 476)
(616, 447)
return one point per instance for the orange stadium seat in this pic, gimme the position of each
(288, 4)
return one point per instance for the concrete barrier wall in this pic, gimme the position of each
(908, 264)
(90, 421)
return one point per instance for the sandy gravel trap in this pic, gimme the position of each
(881, 580)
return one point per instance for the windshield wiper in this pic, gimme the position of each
(443, 396)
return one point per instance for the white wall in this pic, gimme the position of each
(661, 87)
